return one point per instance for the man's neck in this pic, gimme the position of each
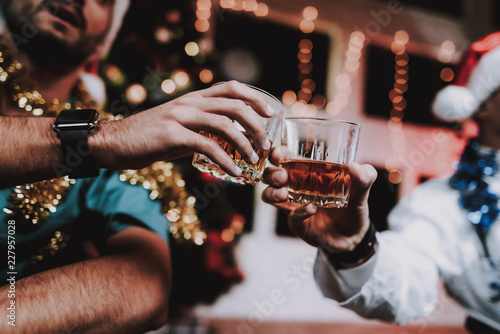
(50, 82)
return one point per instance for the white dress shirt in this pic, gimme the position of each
(429, 236)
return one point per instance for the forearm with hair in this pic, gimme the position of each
(121, 293)
(29, 150)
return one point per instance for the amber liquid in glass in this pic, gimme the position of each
(323, 184)
(251, 173)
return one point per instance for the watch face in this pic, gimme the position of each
(78, 115)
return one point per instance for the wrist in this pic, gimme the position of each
(349, 265)
(361, 253)
(100, 142)
(114, 146)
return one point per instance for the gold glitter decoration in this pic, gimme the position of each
(58, 242)
(31, 204)
(23, 92)
(166, 184)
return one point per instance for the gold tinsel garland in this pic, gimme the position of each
(166, 184)
(32, 204)
(58, 242)
(15, 79)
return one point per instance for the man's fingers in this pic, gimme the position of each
(237, 90)
(297, 217)
(277, 154)
(362, 178)
(275, 177)
(273, 195)
(239, 111)
(287, 206)
(222, 127)
(211, 149)
(297, 222)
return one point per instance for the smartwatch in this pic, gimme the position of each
(73, 128)
(362, 250)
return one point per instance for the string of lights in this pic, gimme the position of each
(445, 56)
(260, 9)
(396, 95)
(305, 100)
(343, 80)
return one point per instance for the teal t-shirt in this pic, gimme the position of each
(90, 212)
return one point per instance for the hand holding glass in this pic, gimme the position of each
(316, 155)
(251, 172)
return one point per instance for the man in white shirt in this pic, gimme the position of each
(446, 227)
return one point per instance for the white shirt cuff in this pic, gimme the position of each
(355, 278)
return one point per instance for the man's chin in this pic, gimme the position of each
(60, 31)
(53, 48)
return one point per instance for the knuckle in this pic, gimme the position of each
(169, 127)
(220, 120)
(198, 118)
(239, 105)
(211, 145)
(226, 123)
(233, 84)
(198, 141)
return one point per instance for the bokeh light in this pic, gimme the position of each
(310, 13)
(202, 25)
(206, 76)
(136, 93)
(181, 78)
(162, 35)
(395, 177)
(261, 10)
(168, 86)
(306, 26)
(192, 49)
(250, 5)
(318, 101)
(447, 74)
(401, 37)
(289, 97)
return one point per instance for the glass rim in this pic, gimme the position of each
(329, 120)
(256, 88)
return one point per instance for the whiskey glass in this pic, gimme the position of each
(252, 173)
(316, 154)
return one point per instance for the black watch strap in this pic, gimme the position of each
(77, 154)
(361, 250)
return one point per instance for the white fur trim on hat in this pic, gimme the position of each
(457, 103)
(95, 86)
(120, 9)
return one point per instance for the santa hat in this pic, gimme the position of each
(94, 84)
(478, 76)
(120, 9)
